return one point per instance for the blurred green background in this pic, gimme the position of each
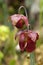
(10, 53)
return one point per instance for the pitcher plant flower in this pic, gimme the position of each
(19, 20)
(27, 40)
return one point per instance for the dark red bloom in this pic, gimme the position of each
(27, 40)
(19, 20)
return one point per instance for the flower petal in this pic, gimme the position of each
(20, 24)
(30, 46)
(17, 17)
(22, 42)
(33, 35)
(25, 20)
(22, 45)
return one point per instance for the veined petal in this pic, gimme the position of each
(30, 46)
(34, 36)
(22, 45)
(16, 18)
(22, 42)
(25, 20)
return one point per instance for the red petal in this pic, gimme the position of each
(33, 35)
(30, 46)
(20, 24)
(17, 17)
(25, 20)
(22, 42)
(37, 36)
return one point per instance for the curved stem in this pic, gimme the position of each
(24, 10)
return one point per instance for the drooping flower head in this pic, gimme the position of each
(27, 40)
(19, 20)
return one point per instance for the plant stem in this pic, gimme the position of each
(7, 21)
(24, 10)
(41, 13)
(32, 58)
(5, 11)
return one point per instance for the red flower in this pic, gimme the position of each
(27, 40)
(19, 20)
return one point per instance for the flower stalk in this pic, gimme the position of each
(24, 9)
(5, 11)
(32, 54)
(32, 58)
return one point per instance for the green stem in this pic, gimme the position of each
(41, 13)
(32, 58)
(6, 15)
(0, 62)
(41, 19)
(24, 10)
(5, 11)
